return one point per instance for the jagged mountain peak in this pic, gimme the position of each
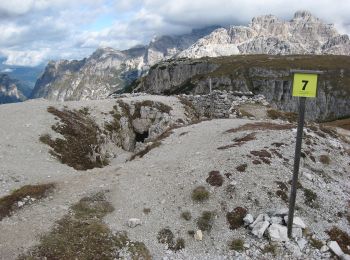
(304, 14)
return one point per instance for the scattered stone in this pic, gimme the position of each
(20, 204)
(297, 232)
(248, 219)
(302, 243)
(297, 222)
(333, 245)
(345, 257)
(276, 220)
(198, 235)
(246, 245)
(259, 228)
(260, 218)
(133, 222)
(280, 212)
(324, 249)
(278, 233)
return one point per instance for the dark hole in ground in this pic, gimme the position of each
(141, 137)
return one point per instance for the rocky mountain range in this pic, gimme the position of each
(11, 90)
(108, 70)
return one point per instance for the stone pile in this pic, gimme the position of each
(223, 104)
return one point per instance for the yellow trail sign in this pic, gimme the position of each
(304, 85)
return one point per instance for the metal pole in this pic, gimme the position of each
(293, 192)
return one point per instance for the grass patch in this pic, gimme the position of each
(242, 167)
(261, 126)
(342, 238)
(200, 194)
(237, 245)
(270, 249)
(324, 159)
(239, 141)
(83, 235)
(186, 215)
(166, 236)
(310, 198)
(206, 220)
(235, 217)
(215, 179)
(9, 203)
(81, 147)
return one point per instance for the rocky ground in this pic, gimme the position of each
(243, 166)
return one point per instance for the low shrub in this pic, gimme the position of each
(200, 194)
(235, 217)
(237, 245)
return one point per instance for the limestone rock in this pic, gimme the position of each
(198, 235)
(297, 222)
(248, 219)
(260, 228)
(278, 233)
(333, 245)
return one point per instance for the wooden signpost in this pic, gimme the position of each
(304, 86)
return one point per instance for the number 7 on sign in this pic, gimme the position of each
(305, 83)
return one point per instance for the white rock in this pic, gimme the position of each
(246, 245)
(248, 219)
(324, 249)
(297, 222)
(133, 222)
(333, 245)
(198, 235)
(281, 212)
(345, 257)
(297, 232)
(278, 233)
(276, 220)
(259, 228)
(260, 218)
(302, 243)
(20, 204)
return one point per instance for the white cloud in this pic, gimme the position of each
(25, 58)
(63, 27)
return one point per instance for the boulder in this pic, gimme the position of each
(297, 222)
(278, 233)
(259, 228)
(248, 219)
(335, 248)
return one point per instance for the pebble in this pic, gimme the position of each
(133, 222)
(198, 235)
(248, 219)
(302, 243)
(324, 248)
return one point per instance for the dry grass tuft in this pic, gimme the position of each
(239, 141)
(237, 245)
(215, 179)
(325, 159)
(260, 126)
(342, 238)
(277, 114)
(9, 203)
(81, 147)
(200, 194)
(206, 220)
(235, 217)
(242, 167)
(83, 235)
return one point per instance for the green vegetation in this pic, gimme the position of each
(205, 221)
(310, 198)
(9, 203)
(186, 215)
(270, 249)
(237, 245)
(81, 234)
(200, 194)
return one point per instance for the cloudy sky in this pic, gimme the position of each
(34, 31)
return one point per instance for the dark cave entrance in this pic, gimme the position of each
(141, 137)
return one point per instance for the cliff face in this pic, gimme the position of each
(260, 74)
(10, 90)
(108, 70)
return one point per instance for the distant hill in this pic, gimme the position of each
(10, 90)
(108, 70)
